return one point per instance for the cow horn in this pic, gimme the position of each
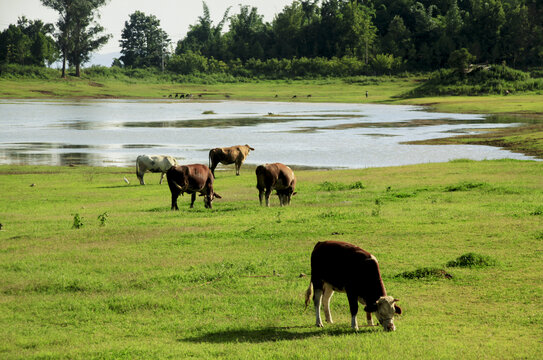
(177, 186)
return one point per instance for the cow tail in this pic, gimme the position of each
(308, 295)
(209, 159)
(138, 167)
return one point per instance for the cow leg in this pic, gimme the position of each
(260, 196)
(353, 305)
(317, 297)
(268, 193)
(213, 166)
(328, 292)
(281, 199)
(369, 319)
(174, 201)
(140, 178)
(161, 177)
(238, 166)
(192, 200)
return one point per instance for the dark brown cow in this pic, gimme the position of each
(340, 266)
(228, 155)
(275, 176)
(191, 179)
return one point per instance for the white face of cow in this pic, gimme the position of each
(385, 312)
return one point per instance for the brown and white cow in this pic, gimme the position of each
(191, 179)
(343, 267)
(153, 163)
(228, 155)
(278, 177)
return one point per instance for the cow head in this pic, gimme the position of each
(208, 199)
(285, 196)
(385, 308)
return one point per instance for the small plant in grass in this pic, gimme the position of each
(425, 273)
(465, 186)
(335, 186)
(102, 218)
(208, 112)
(538, 211)
(78, 222)
(377, 210)
(472, 260)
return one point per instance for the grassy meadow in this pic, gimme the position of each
(326, 90)
(92, 267)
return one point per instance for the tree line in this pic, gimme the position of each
(308, 37)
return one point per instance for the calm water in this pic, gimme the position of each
(114, 133)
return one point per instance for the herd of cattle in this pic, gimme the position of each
(335, 266)
(199, 178)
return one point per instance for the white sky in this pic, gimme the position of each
(175, 15)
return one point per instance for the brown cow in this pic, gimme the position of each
(275, 176)
(228, 155)
(340, 266)
(191, 179)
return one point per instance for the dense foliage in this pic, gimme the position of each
(30, 42)
(419, 34)
(478, 80)
(308, 38)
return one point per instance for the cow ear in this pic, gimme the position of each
(294, 193)
(371, 308)
(397, 309)
(217, 196)
(252, 149)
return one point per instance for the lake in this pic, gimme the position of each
(115, 132)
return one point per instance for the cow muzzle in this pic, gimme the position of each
(388, 325)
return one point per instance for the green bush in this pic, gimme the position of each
(479, 80)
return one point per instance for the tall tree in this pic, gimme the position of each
(361, 33)
(287, 27)
(248, 34)
(78, 33)
(203, 37)
(28, 43)
(143, 42)
(397, 40)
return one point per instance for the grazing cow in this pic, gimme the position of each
(228, 155)
(153, 163)
(191, 179)
(275, 176)
(340, 266)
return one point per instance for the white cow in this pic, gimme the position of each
(153, 163)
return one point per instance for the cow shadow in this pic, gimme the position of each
(271, 334)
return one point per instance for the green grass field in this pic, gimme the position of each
(137, 280)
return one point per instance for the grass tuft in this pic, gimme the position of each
(465, 186)
(472, 260)
(425, 273)
(336, 186)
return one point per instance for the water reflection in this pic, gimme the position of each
(114, 133)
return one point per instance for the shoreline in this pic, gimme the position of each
(526, 108)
